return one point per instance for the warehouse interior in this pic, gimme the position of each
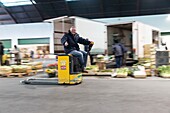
(89, 56)
(39, 10)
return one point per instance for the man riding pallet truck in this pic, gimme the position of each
(70, 65)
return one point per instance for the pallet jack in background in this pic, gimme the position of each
(69, 72)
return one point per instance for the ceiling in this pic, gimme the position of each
(46, 9)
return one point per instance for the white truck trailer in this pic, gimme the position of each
(132, 34)
(86, 28)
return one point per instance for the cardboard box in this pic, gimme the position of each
(148, 72)
(101, 65)
(150, 56)
(149, 46)
(139, 74)
(150, 52)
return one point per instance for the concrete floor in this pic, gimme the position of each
(94, 95)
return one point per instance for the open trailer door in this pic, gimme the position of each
(61, 26)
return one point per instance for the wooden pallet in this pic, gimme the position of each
(121, 76)
(140, 76)
(164, 76)
(97, 74)
(32, 73)
(39, 71)
(19, 75)
(4, 74)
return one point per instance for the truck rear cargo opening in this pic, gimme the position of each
(134, 35)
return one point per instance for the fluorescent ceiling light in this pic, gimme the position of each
(16, 2)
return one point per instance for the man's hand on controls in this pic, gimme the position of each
(91, 42)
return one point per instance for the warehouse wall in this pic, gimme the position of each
(32, 30)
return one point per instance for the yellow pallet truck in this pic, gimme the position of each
(66, 73)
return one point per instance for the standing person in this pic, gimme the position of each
(1, 53)
(32, 54)
(118, 51)
(70, 42)
(124, 50)
(17, 55)
(44, 53)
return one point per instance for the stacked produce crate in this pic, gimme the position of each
(5, 70)
(122, 72)
(164, 71)
(16, 71)
(150, 54)
(149, 58)
(100, 62)
(35, 65)
(21, 69)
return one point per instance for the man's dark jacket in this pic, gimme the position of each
(73, 42)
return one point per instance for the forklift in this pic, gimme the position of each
(69, 72)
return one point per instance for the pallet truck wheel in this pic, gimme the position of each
(24, 82)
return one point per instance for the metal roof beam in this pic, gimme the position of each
(67, 8)
(120, 8)
(54, 9)
(138, 7)
(4, 14)
(102, 7)
(8, 12)
(28, 18)
(2, 20)
(19, 12)
(26, 13)
(37, 10)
